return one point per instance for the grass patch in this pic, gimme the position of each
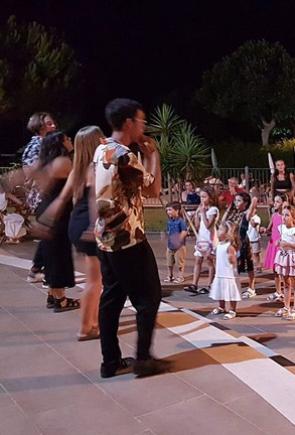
(155, 219)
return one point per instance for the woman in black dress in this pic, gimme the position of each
(54, 169)
(80, 189)
(282, 182)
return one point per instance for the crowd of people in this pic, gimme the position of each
(229, 241)
(89, 195)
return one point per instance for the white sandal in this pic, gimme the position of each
(217, 310)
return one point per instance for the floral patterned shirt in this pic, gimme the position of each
(119, 177)
(32, 151)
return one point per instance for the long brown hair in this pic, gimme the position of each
(86, 141)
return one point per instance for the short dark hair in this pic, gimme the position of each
(175, 205)
(36, 121)
(120, 109)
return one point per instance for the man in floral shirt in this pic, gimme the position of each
(40, 123)
(127, 261)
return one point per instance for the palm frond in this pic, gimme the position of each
(189, 152)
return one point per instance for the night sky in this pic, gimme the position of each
(154, 50)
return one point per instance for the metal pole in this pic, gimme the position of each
(247, 178)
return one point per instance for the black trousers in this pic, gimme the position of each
(131, 272)
(39, 257)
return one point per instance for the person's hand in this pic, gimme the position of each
(147, 144)
(202, 208)
(282, 244)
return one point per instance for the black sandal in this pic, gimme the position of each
(192, 289)
(50, 301)
(66, 304)
(203, 291)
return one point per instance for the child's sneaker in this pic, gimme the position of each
(169, 279)
(230, 315)
(275, 297)
(249, 293)
(282, 312)
(289, 316)
(35, 276)
(179, 279)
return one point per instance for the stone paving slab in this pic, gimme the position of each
(50, 383)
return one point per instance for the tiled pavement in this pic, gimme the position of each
(221, 382)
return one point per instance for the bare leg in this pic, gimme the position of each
(211, 268)
(287, 292)
(278, 284)
(222, 304)
(58, 293)
(197, 270)
(170, 271)
(257, 261)
(91, 295)
(292, 285)
(233, 305)
(251, 279)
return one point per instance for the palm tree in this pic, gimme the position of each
(162, 126)
(183, 153)
(188, 155)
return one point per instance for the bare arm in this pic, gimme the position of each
(13, 198)
(232, 255)
(209, 222)
(286, 245)
(251, 209)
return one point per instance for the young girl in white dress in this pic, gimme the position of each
(205, 221)
(225, 286)
(284, 263)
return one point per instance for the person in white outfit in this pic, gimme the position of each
(225, 286)
(13, 222)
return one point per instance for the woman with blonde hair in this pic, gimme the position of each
(81, 181)
(80, 186)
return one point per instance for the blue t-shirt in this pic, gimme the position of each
(174, 228)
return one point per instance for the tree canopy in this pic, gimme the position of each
(255, 83)
(38, 69)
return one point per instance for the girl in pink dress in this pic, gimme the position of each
(272, 247)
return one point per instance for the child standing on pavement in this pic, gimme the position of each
(272, 247)
(205, 221)
(254, 238)
(240, 213)
(284, 263)
(176, 250)
(225, 286)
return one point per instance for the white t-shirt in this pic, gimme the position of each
(287, 234)
(253, 232)
(205, 234)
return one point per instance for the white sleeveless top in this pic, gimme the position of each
(224, 269)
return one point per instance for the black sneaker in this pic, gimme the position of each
(125, 366)
(151, 367)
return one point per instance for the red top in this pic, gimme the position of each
(228, 197)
